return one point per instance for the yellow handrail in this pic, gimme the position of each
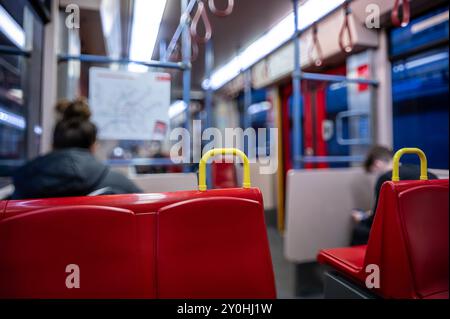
(423, 163)
(222, 151)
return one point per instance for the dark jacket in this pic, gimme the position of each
(362, 230)
(68, 172)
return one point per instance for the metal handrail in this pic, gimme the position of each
(183, 24)
(10, 50)
(107, 60)
(223, 151)
(423, 163)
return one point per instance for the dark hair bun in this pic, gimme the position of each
(77, 109)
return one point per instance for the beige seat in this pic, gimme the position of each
(318, 207)
(161, 183)
(265, 182)
(440, 173)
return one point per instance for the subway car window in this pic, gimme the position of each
(255, 151)
(21, 40)
(420, 61)
(13, 110)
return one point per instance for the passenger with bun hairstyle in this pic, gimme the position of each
(71, 168)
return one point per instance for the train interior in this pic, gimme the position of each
(232, 139)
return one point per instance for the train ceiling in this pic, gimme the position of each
(249, 20)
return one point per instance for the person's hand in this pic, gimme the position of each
(358, 215)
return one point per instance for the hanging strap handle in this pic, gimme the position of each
(194, 50)
(318, 59)
(222, 151)
(201, 14)
(347, 48)
(221, 13)
(423, 163)
(406, 15)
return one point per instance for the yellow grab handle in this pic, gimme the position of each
(423, 163)
(222, 151)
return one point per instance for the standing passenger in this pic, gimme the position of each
(70, 169)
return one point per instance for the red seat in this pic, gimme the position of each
(223, 175)
(37, 245)
(214, 247)
(195, 244)
(408, 241)
(349, 260)
(171, 245)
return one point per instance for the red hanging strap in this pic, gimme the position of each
(194, 50)
(347, 48)
(406, 14)
(318, 58)
(201, 14)
(221, 13)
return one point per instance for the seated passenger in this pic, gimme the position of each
(379, 161)
(70, 169)
(155, 152)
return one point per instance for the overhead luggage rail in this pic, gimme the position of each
(407, 255)
(183, 245)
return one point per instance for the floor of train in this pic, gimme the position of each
(285, 271)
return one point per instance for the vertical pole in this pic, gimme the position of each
(162, 51)
(247, 103)
(186, 44)
(209, 64)
(31, 86)
(49, 78)
(247, 96)
(297, 99)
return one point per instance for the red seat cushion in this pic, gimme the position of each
(348, 260)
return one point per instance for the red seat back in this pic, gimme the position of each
(171, 245)
(224, 175)
(216, 242)
(409, 239)
(37, 246)
(424, 218)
